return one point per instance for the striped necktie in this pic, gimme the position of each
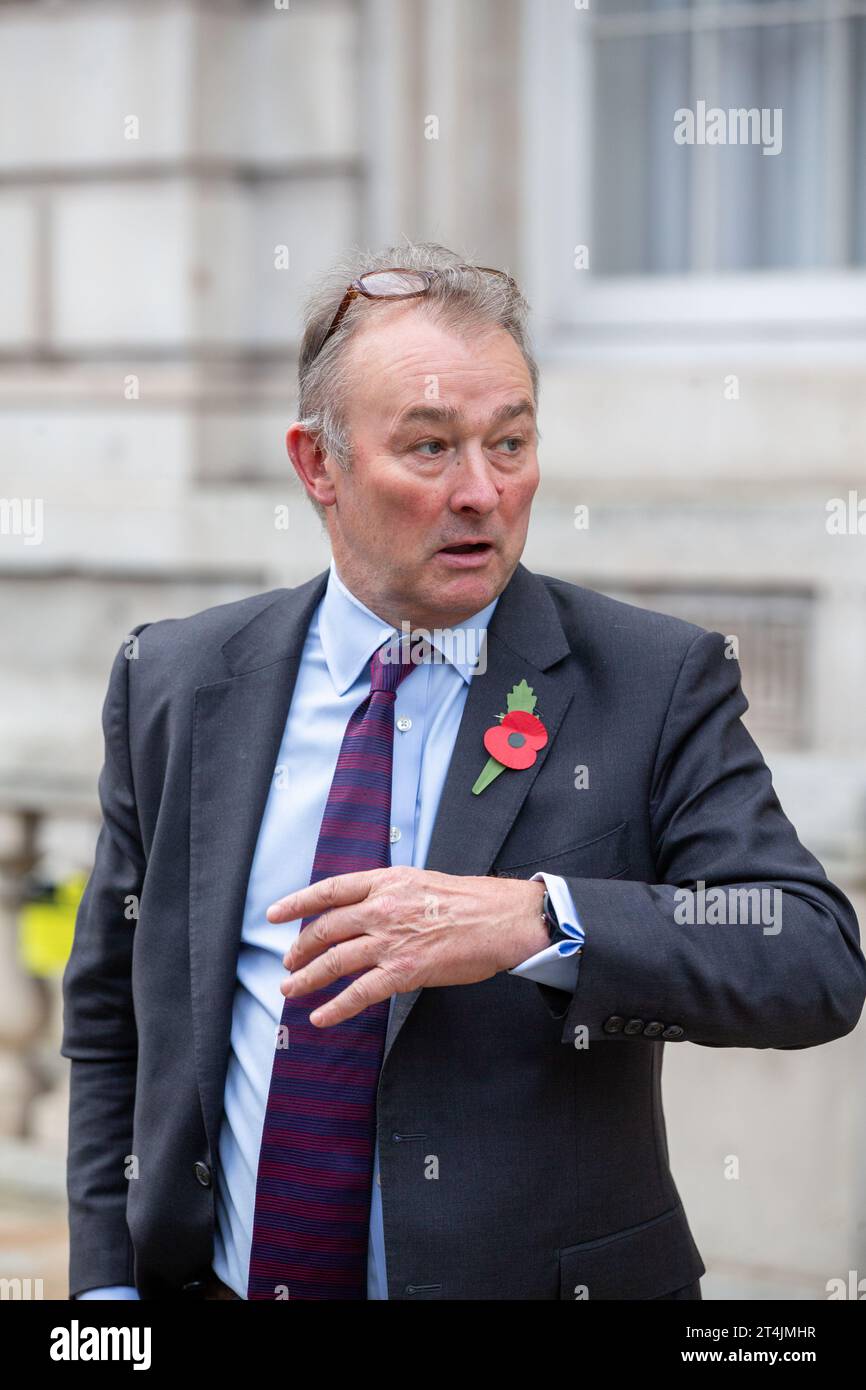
(314, 1182)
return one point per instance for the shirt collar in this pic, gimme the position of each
(350, 633)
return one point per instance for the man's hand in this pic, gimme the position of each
(406, 929)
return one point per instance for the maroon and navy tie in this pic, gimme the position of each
(314, 1182)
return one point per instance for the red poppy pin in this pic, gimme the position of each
(516, 740)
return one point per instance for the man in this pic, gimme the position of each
(473, 849)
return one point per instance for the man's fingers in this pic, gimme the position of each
(345, 958)
(335, 891)
(368, 989)
(339, 925)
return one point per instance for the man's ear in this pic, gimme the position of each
(311, 463)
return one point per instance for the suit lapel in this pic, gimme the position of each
(238, 724)
(524, 639)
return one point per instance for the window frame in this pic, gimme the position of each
(825, 306)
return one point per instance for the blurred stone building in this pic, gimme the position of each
(173, 173)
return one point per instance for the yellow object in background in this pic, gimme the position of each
(46, 927)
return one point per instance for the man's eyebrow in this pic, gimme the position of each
(512, 412)
(450, 415)
(429, 415)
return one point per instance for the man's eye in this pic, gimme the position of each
(515, 439)
(429, 444)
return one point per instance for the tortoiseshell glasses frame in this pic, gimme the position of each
(380, 284)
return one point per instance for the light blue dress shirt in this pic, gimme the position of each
(333, 679)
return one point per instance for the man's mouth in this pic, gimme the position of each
(465, 555)
(466, 548)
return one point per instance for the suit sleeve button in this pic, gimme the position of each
(634, 1025)
(652, 1030)
(673, 1032)
(614, 1024)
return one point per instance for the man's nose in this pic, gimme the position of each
(474, 481)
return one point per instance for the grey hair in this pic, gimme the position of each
(463, 298)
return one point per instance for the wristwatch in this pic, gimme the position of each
(551, 921)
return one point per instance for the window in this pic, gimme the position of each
(791, 197)
(693, 148)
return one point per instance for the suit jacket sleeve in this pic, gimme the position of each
(714, 816)
(99, 1031)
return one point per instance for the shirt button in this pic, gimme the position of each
(404, 723)
(395, 834)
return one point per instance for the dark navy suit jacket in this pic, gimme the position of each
(543, 1108)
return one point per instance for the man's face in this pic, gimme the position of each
(443, 430)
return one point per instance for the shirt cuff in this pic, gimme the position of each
(111, 1291)
(557, 965)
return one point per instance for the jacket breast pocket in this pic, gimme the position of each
(643, 1261)
(604, 855)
